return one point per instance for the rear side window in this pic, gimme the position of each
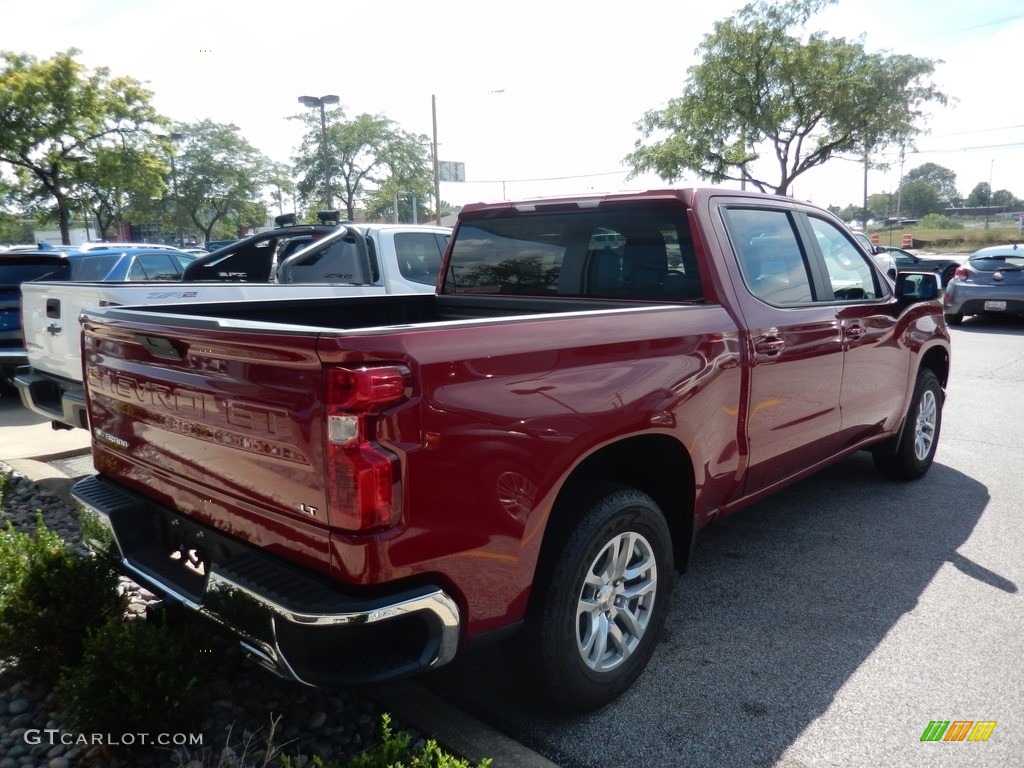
(419, 256)
(635, 254)
(92, 267)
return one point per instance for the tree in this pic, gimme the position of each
(918, 198)
(1004, 197)
(115, 179)
(56, 112)
(941, 179)
(220, 177)
(804, 101)
(980, 196)
(363, 155)
(279, 185)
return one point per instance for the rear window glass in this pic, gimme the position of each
(644, 254)
(15, 273)
(997, 262)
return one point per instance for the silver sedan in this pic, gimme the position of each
(991, 281)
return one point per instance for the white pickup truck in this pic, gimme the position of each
(353, 260)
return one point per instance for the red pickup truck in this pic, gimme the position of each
(362, 487)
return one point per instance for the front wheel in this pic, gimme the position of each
(919, 437)
(602, 600)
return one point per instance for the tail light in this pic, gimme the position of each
(362, 489)
(961, 273)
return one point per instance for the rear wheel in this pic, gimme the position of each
(919, 437)
(602, 600)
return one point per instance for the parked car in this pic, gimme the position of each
(912, 262)
(990, 281)
(91, 261)
(878, 253)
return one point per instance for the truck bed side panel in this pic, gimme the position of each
(509, 408)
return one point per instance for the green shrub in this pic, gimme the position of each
(137, 676)
(394, 750)
(49, 598)
(937, 221)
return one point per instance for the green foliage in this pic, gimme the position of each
(918, 198)
(137, 677)
(14, 229)
(803, 101)
(367, 156)
(980, 195)
(935, 221)
(394, 750)
(220, 177)
(56, 111)
(942, 180)
(114, 179)
(49, 597)
(1004, 197)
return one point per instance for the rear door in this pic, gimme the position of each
(795, 345)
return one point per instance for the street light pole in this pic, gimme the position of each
(322, 101)
(437, 175)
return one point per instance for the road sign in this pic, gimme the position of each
(449, 171)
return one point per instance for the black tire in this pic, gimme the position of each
(948, 273)
(955, 319)
(919, 437)
(592, 630)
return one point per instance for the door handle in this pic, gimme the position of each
(54, 328)
(855, 331)
(769, 345)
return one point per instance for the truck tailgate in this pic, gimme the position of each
(224, 425)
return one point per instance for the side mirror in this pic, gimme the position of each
(917, 286)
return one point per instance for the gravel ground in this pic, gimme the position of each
(244, 697)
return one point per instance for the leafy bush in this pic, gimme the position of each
(936, 221)
(49, 598)
(137, 676)
(393, 751)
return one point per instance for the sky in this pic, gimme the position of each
(535, 97)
